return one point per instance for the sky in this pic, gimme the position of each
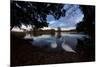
(72, 16)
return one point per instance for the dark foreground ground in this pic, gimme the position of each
(24, 53)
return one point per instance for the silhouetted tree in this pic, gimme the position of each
(34, 13)
(88, 24)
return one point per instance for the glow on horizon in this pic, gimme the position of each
(17, 29)
(22, 28)
(45, 28)
(48, 28)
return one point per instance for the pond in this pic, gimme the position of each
(59, 41)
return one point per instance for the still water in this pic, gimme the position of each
(62, 41)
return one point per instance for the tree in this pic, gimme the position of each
(34, 13)
(88, 24)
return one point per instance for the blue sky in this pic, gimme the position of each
(73, 16)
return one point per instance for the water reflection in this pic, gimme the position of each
(60, 41)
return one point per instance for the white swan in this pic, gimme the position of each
(66, 47)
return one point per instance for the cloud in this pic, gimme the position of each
(73, 16)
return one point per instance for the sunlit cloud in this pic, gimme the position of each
(73, 16)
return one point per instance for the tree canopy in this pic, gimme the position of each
(88, 24)
(34, 13)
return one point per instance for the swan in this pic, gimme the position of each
(66, 47)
